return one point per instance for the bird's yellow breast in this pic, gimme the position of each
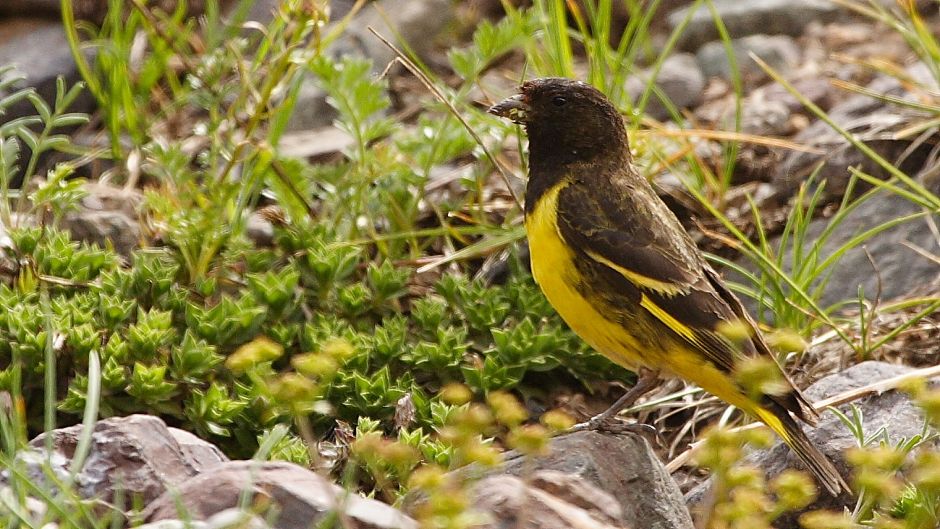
(556, 274)
(553, 268)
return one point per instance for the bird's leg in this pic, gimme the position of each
(647, 381)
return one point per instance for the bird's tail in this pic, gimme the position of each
(780, 421)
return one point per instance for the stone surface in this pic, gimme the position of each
(227, 519)
(779, 51)
(783, 17)
(415, 22)
(138, 453)
(49, 8)
(508, 501)
(107, 217)
(300, 498)
(885, 264)
(40, 52)
(259, 230)
(897, 267)
(680, 79)
(873, 123)
(580, 493)
(623, 466)
(892, 411)
(83, 9)
(315, 143)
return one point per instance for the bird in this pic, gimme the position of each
(624, 274)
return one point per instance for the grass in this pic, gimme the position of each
(363, 299)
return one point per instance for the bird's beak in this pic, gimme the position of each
(512, 108)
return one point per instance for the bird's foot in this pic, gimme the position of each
(607, 423)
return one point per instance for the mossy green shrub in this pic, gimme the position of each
(310, 325)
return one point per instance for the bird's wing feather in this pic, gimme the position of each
(793, 400)
(666, 276)
(597, 224)
(672, 284)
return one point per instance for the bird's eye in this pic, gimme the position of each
(559, 101)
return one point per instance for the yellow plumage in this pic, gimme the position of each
(622, 272)
(556, 274)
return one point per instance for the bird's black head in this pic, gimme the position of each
(567, 121)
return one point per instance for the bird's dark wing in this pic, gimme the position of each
(614, 232)
(793, 400)
(659, 268)
(617, 233)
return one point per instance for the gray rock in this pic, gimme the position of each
(227, 519)
(37, 8)
(311, 110)
(873, 123)
(415, 22)
(508, 501)
(778, 51)
(107, 218)
(201, 455)
(36, 465)
(761, 117)
(39, 50)
(35, 511)
(680, 79)
(891, 411)
(623, 466)
(316, 144)
(104, 228)
(580, 493)
(259, 230)
(897, 267)
(299, 498)
(775, 17)
(83, 9)
(137, 453)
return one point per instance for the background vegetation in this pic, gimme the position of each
(372, 313)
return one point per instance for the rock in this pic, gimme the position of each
(36, 464)
(680, 79)
(227, 519)
(299, 498)
(623, 466)
(107, 218)
(105, 229)
(774, 17)
(898, 269)
(778, 51)
(892, 411)
(311, 110)
(315, 143)
(764, 107)
(40, 52)
(84, 9)
(200, 454)
(52, 8)
(259, 230)
(873, 123)
(138, 453)
(507, 501)
(35, 510)
(578, 492)
(761, 117)
(416, 22)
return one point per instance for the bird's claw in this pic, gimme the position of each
(602, 423)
